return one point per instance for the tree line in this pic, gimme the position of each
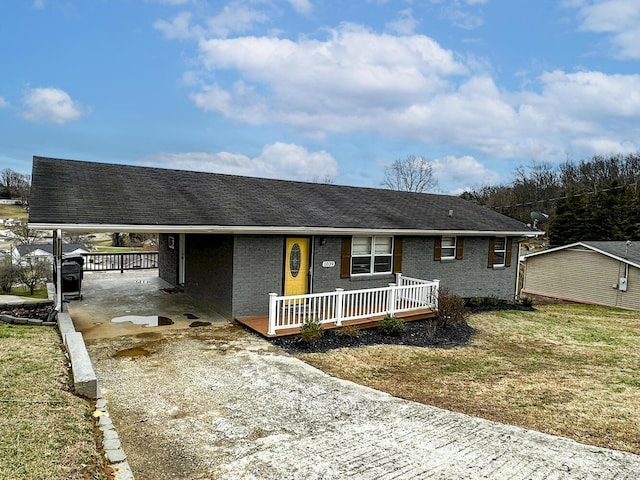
(594, 199)
(14, 185)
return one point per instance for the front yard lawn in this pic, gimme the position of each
(569, 370)
(46, 432)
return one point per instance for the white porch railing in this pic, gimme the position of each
(405, 295)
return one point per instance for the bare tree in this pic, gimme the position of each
(14, 184)
(411, 174)
(23, 235)
(33, 273)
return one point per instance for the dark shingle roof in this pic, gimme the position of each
(619, 249)
(68, 192)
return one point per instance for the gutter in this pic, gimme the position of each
(272, 230)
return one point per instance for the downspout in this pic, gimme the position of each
(57, 240)
(517, 292)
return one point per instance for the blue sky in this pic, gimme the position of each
(310, 89)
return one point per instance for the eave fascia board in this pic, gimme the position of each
(272, 230)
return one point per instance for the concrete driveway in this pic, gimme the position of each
(219, 403)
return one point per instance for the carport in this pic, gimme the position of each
(130, 296)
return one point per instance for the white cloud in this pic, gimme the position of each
(50, 105)
(344, 82)
(619, 18)
(3, 103)
(278, 160)
(405, 24)
(38, 4)
(403, 86)
(233, 18)
(464, 172)
(179, 27)
(462, 13)
(408, 86)
(303, 7)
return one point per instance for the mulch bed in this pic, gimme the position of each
(417, 334)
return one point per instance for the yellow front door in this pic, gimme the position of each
(296, 266)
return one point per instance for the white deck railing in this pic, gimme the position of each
(405, 295)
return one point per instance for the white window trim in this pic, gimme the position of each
(503, 251)
(442, 248)
(372, 256)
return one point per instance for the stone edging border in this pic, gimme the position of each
(86, 384)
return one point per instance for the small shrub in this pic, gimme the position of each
(526, 301)
(311, 331)
(493, 301)
(349, 331)
(451, 308)
(432, 328)
(391, 325)
(476, 302)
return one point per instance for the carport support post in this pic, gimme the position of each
(57, 241)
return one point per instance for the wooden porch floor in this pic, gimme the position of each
(260, 324)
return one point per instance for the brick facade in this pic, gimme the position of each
(235, 274)
(209, 271)
(258, 265)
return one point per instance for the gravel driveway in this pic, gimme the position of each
(219, 403)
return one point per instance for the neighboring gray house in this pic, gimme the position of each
(603, 273)
(22, 254)
(232, 240)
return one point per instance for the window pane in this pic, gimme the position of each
(382, 264)
(383, 244)
(448, 242)
(360, 265)
(361, 246)
(448, 252)
(500, 243)
(498, 258)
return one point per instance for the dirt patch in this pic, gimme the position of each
(199, 324)
(133, 352)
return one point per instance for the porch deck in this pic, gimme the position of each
(260, 324)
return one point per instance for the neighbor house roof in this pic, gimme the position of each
(26, 249)
(75, 195)
(619, 250)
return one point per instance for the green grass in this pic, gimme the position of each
(39, 292)
(46, 432)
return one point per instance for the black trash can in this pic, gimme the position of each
(72, 278)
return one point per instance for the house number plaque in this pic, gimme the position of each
(328, 264)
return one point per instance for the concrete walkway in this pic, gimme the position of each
(218, 402)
